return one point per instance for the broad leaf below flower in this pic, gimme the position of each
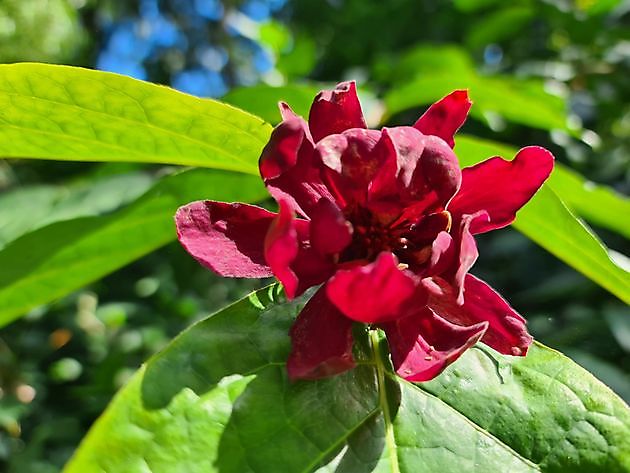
(218, 399)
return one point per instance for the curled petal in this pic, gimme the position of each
(281, 248)
(290, 256)
(374, 293)
(383, 184)
(423, 344)
(428, 170)
(506, 332)
(442, 254)
(334, 111)
(501, 187)
(440, 168)
(287, 113)
(226, 238)
(330, 232)
(446, 116)
(321, 341)
(467, 251)
(287, 165)
(281, 153)
(351, 160)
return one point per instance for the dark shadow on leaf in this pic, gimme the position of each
(24, 255)
(241, 339)
(274, 425)
(277, 425)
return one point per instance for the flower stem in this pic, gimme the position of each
(390, 441)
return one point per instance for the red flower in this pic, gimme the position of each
(385, 223)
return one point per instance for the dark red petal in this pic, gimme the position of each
(287, 165)
(468, 253)
(506, 333)
(376, 292)
(440, 168)
(445, 117)
(409, 144)
(227, 238)
(423, 344)
(281, 248)
(290, 256)
(334, 111)
(428, 170)
(442, 254)
(330, 232)
(288, 114)
(281, 152)
(321, 341)
(383, 184)
(350, 161)
(501, 187)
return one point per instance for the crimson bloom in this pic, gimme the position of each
(384, 222)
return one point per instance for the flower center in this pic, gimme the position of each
(409, 241)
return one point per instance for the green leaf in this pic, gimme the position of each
(218, 399)
(496, 26)
(262, 100)
(426, 76)
(547, 221)
(58, 258)
(28, 208)
(68, 113)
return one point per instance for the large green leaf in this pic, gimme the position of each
(27, 208)
(60, 112)
(58, 258)
(218, 399)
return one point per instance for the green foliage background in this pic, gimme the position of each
(61, 363)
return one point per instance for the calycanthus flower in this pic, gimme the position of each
(384, 222)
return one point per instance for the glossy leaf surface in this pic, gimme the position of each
(69, 113)
(218, 399)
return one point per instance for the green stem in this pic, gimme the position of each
(390, 441)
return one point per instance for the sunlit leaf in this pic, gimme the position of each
(67, 113)
(218, 399)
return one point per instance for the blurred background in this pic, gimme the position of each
(61, 364)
